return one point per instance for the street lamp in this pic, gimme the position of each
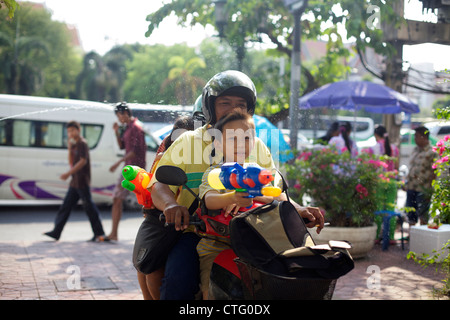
(221, 16)
(296, 7)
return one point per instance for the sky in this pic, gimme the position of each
(105, 23)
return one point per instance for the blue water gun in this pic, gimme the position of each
(252, 179)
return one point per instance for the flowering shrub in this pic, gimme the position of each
(349, 190)
(441, 185)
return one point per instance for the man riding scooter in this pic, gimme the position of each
(193, 153)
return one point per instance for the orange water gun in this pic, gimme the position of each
(137, 180)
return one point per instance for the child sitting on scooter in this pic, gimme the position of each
(235, 139)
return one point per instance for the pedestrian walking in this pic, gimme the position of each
(79, 187)
(132, 139)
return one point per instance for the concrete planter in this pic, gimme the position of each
(362, 239)
(424, 240)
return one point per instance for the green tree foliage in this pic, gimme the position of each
(102, 78)
(253, 20)
(181, 77)
(441, 108)
(36, 57)
(11, 5)
(149, 69)
(155, 71)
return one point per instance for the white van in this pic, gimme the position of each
(33, 148)
(157, 116)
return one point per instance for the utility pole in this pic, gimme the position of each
(296, 70)
(410, 32)
(296, 7)
(394, 80)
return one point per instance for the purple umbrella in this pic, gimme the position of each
(357, 95)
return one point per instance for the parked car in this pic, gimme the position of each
(439, 129)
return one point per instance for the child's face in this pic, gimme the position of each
(238, 139)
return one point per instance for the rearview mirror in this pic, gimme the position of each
(171, 175)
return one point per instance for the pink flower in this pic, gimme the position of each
(305, 155)
(446, 138)
(297, 186)
(361, 190)
(378, 163)
(443, 204)
(444, 159)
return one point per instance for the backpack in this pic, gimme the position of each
(278, 258)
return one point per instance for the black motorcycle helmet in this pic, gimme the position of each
(230, 83)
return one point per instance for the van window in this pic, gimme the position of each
(22, 135)
(52, 135)
(3, 136)
(155, 115)
(92, 134)
(150, 141)
(44, 134)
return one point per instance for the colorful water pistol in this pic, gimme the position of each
(252, 179)
(137, 180)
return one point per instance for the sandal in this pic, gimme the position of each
(101, 238)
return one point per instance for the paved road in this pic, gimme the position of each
(28, 223)
(32, 266)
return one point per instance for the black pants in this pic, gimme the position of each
(420, 202)
(70, 200)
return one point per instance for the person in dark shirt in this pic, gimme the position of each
(79, 187)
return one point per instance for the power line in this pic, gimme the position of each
(380, 76)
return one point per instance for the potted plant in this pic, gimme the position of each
(440, 204)
(348, 190)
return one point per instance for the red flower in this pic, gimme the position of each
(362, 191)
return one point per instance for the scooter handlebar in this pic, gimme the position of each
(192, 221)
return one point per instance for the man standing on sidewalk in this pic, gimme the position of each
(132, 139)
(421, 175)
(79, 187)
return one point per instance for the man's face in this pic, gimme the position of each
(420, 140)
(226, 104)
(73, 133)
(123, 117)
